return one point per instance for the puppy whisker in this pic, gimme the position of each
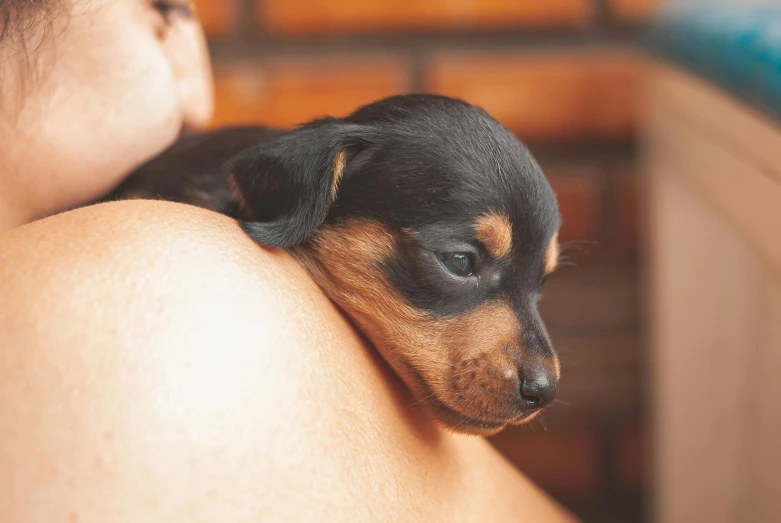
(464, 419)
(576, 243)
(421, 400)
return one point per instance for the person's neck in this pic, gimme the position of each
(12, 213)
(10, 217)
(17, 197)
(15, 210)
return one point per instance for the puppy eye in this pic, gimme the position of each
(459, 263)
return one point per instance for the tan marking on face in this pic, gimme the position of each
(461, 359)
(238, 195)
(339, 163)
(496, 234)
(552, 254)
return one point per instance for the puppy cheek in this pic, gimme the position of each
(462, 359)
(482, 378)
(484, 386)
(346, 260)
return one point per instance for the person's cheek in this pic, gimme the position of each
(185, 48)
(146, 115)
(108, 104)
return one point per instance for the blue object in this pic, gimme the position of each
(737, 47)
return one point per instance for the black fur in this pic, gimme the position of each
(441, 164)
(424, 164)
(286, 182)
(192, 170)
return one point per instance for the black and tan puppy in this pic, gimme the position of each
(423, 218)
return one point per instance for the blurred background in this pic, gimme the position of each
(569, 78)
(563, 75)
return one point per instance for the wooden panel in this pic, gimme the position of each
(587, 353)
(705, 290)
(594, 298)
(599, 392)
(716, 284)
(766, 452)
(601, 375)
(546, 95)
(359, 16)
(633, 10)
(736, 178)
(625, 225)
(579, 203)
(632, 456)
(217, 16)
(750, 134)
(566, 462)
(294, 91)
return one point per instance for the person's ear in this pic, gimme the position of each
(286, 187)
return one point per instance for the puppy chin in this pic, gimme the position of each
(462, 424)
(449, 417)
(525, 419)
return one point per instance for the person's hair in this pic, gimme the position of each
(19, 17)
(25, 26)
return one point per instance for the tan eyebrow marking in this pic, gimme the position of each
(496, 233)
(552, 254)
(339, 163)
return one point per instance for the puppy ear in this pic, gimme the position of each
(286, 187)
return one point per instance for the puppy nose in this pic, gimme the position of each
(538, 388)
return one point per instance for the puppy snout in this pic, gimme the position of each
(538, 387)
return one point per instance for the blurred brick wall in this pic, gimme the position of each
(563, 75)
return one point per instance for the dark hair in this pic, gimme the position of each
(18, 17)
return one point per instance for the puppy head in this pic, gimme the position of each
(433, 228)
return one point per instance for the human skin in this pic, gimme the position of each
(159, 366)
(107, 85)
(155, 363)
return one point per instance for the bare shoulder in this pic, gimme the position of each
(156, 364)
(138, 287)
(138, 254)
(149, 232)
(118, 266)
